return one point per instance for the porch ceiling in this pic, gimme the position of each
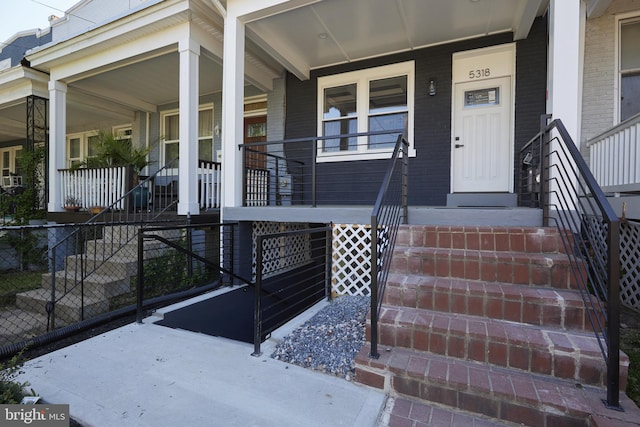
(330, 32)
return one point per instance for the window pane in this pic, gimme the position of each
(18, 165)
(74, 148)
(386, 122)
(388, 95)
(171, 127)
(205, 149)
(340, 127)
(629, 52)
(92, 146)
(171, 151)
(630, 96)
(205, 123)
(339, 102)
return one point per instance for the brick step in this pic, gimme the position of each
(546, 269)
(115, 266)
(558, 308)
(402, 411)
(503, 394)
(67, 311)
(562, 354)
(95, 284)
(500, 239)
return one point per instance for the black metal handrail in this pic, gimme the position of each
(555, 177)
(389, 211)
(306, 171)
(138, 210)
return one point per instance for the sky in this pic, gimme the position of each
(20, 15)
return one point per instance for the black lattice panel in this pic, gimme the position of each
(630, 265)
(283, 253)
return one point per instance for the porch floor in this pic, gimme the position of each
(418, 215)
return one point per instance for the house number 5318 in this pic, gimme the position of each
(480, 73)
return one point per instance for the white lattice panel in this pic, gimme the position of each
(283, 253)
(630, 265)
(351, 265)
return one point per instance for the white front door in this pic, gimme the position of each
(481, 140)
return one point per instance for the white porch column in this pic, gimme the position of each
(566, 53)
(57, 142)
(232, 109)
(188, 148)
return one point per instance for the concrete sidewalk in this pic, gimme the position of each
(150, 375)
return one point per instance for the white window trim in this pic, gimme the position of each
(362, 78)
(617, 85)
(12, 166)
(84, 142)
(175, 111)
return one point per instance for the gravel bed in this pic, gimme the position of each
(330, 340)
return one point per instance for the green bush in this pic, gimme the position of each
(12, 391)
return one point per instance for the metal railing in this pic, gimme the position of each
(389, 211)
(317, 170)
(555, 177)
(289, 280)
(82, 259)
(179, 262)
(614, 157)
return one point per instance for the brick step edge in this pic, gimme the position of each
(541, 306)
(552, 270)
(400, 411)
(568, 355)
(497, 393)
(502, 239)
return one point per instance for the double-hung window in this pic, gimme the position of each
(370, 100)
(171, 128)
(629, 68)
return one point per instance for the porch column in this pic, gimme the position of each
(57, 142)
(232, 108)
(188, 145)
(566, 53)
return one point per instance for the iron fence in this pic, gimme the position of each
(176, 262)
(317, 170)
(288, 280)
(555, 177)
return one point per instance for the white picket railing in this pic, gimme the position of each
(257, 187)
(614, 157)
(86, 188)
(210, 182)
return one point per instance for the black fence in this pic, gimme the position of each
(293, 272)
(555, 177)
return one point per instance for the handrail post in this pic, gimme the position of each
(374, 288)
(405, 181)
(545, 140)
(328, 260)
(257, 314)
(140, 276)
(613, 315)
(314, 158)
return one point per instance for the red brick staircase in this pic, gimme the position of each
(485, 326)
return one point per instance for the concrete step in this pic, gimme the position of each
(19, 325)
(67, 310)
(509, 395)
(115, 266)
(95, 284)
(561, 354)
(558, 308)
(101, 248)
(500, 239)
(535, 269)
(129, 233)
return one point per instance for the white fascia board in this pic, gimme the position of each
(252, 10)
(18, 83)
(524, 18)
(120, 55)
(49, 56)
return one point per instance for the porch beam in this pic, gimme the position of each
(57, 142)
(524, 18)
(188, 145)
(12, 128)
(118, 98)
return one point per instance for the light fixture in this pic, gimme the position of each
(216, 129)
(432, 87)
